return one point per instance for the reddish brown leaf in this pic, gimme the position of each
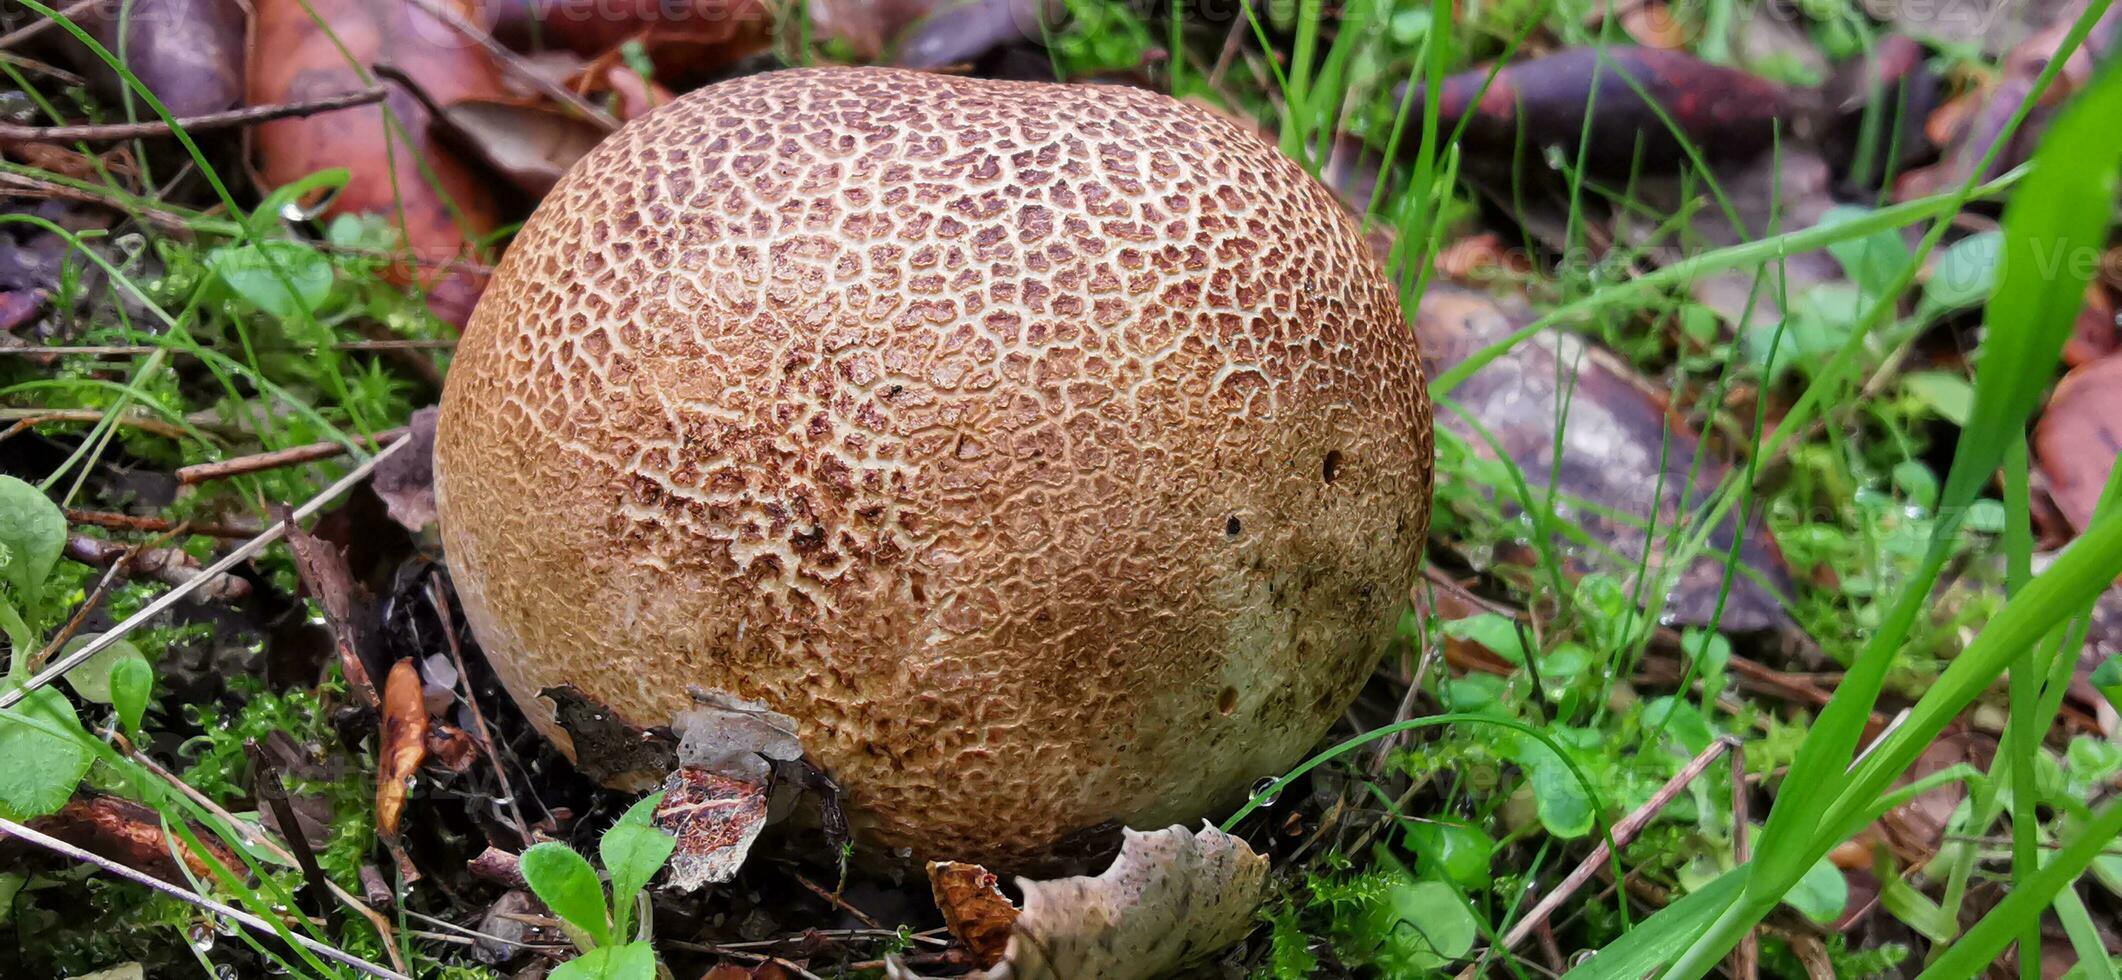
(688, 40)
(2079, 436)
(322, 569)
(973, 907)
(406, 481)
(403, 745)
(715, 819)
(132, 835)
(293, 59)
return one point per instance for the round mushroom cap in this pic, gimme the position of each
(1054, 455)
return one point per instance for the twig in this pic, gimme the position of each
(291, 456)
(172, 566)
(464, 680)
(30, 418)
(80, 616)
(189, 897)
(1625, 831)
(836, 901)
(97, 132)
(156, 525)
(242, 553)
(509, 61)
(38, 26)
(1746, 964)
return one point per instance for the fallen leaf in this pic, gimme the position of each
(438, 204)
(1170, 900)
(1609, 461)
(188, 52)
(321, 567)
(403, 744)
(689, 41)
(715, 818)
(715, 802)
(2079, 436)
(1539, 105)
(973, 907)
(532, 145)
(131, 834)
(406, 481)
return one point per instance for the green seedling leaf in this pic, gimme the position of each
(565, 882)
(642, 813)
(1497, 632)
(1821, 894)
(42, 766)
(92, 679)
(1964, 274)
(2107, 679)
(1875, 261)
(302, 281)
(1947, 394)
(633, 961)
(32, 535)
(632, 853)
(1562, 806)
(132, 686)
(1423, 925)
(1451, 851)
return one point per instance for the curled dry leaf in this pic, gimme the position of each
(1170, 900)
(403, 746)
(1609, 473)
(715, 802)
(172, 566)
(974, 908)
(132, 835)
(2080, 435)
(321, 566)
(406, 481)
(428, 193)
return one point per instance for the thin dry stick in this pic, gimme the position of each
(515, 65)
(1747, 958)
(60, 847)
(291, 456)
(156, 525)
(464, 680)
(1624, 832)
(30, 418)
(242, 553)
(38, 26)
(98, 132)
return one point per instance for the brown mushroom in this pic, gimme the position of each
(1054, 455)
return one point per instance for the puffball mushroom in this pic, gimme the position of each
(1055, 455)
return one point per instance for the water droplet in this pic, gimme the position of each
(226, 927)
(201, 936)
(1266, 783)
(298, 211)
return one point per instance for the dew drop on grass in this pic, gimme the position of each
(1266, 783)
(201, 937)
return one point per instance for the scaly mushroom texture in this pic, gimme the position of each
(1055, 455)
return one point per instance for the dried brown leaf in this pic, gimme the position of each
(131, 834)
(1170, 900)
(2080, 435)
(406, 481)
(715, 818)
(973, 907)
(403, 744)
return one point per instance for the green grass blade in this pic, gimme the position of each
(1979, 948)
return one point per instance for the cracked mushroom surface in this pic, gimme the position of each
(1054, 455)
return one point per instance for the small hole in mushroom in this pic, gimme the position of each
(1231, 527)
(1227, 701)
(1332, 467)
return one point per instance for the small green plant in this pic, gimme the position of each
(42, 737)
(633, 850)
